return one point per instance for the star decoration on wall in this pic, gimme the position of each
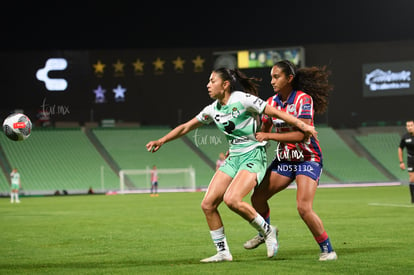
(138, 66)
(118, 67)
(198, 64)
(158, 65)
(99, 94)
(178, 64)
(99, 68)
(119, 93)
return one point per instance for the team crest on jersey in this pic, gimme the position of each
(234, 112)
(291, 108)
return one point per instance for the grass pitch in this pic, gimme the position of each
(371, 229)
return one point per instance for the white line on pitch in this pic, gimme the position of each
(391, 204)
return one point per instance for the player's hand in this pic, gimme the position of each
(402, 166)
(261, 136)
(153, 146)
(310, 131)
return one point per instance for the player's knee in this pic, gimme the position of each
(232, 202)
(207, 207)
(303, 210)
(257, 198)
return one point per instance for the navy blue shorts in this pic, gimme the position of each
(291, 169)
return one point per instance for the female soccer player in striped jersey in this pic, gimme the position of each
(237, 115)
(301, 93)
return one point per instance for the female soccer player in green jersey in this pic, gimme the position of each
(237, 115)
(15, 186)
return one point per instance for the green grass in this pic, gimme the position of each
(371, 229)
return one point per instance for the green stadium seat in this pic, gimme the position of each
(59, 159)
(343, 163)
(383, 147)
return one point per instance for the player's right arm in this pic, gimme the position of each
(400, 157)
(179, 131)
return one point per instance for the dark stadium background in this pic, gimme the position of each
(343, 35)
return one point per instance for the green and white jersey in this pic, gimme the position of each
(238, 120)
(15, 178)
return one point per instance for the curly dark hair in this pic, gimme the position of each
(311, 80)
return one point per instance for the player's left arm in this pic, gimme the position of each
(292, 120)
(288, 137)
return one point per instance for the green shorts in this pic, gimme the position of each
(15, 186)
(254, 161)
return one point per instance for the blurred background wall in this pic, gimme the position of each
(168, 86)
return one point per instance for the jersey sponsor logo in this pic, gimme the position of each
(217, 118)
(239, 140)
(306, 107)
(223, 117)
(408, 140)
(229, 126)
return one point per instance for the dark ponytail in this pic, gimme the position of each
(249, 84)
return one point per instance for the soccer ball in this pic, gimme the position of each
(17, 127)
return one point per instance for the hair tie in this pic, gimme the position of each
(231, 75)
(290, 67)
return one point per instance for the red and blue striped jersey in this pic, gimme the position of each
(300, 105)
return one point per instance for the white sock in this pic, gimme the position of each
(219, 239)
(17, 196)
(261, 225)
(11, 196)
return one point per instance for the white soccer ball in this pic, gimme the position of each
(17, 126)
